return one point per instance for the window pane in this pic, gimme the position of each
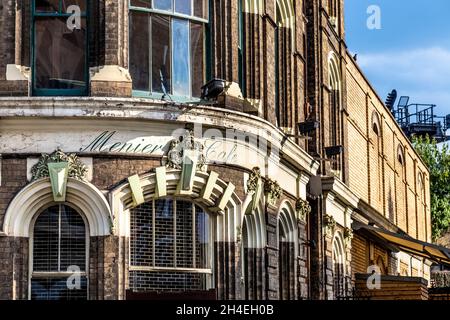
(67, 3)
(163, 4)
(164, 240)
(202, 238)
(198, 59)
(73, 240)
(180, 43)
(57, 289)
(200, 9)
(60, 54)
(185, 244)
(167, 281)
(161, 63)
(47, 5)
(45, 241)
(139, 50)
(142, 235)
(183, 6)
(141, 3)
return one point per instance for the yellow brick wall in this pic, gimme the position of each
(375, 172)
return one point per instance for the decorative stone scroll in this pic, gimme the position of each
(329, 224)
(254, 187)
(273, 191)
(303, 209)
(348, 236)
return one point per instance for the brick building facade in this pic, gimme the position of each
(285, 185)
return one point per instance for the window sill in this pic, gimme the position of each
(168, 98)
(167, 269)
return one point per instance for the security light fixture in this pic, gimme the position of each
(334, 151)
(212, 89)
(308, 126)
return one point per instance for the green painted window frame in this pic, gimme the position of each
(207, 50)
(58, 92)
(241, 49)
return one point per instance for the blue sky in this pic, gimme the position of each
(411, 51)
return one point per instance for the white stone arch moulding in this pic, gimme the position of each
(286, 9)
(256, 228)
(35, 196)
(339, 249)
(334, 72)
(287, 219)
(376, 123)
(207, 190)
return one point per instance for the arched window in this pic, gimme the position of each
(401, 155)
(339, 267)
(422, 207)
(59, 265)
(287, 242)
(253, 243)
(376, 123)
(241, 47)
(167, 47)
(170, 247)
(284, 42)
(334, 75)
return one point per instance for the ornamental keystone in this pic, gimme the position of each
(75, 167)
(186, 150)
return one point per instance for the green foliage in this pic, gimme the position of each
(437, 159)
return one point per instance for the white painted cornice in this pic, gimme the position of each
(157, 110)
(340, 191)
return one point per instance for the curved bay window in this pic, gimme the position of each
(59, 255)
(59, 47)
(170, 247)
(167, 47)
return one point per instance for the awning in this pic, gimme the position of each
(407, 244)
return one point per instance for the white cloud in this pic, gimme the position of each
(423, 74)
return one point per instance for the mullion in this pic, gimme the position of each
(150, 54)
(194, 232)
(174, 208)
(59, 238)
(154, 230)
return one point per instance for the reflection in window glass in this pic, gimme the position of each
(163, 4)
(183, 6)
(56, 289)
(197, 58)
(173, 234)
(46, 241)
(167, 56)
(164, 237)
(59, 246)
(139, 54)
(180, 43)
(60, 54)
(67, 3)
(47, 5)
(199, 8)
(141, 3)
(202, 238)
(161, 63)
